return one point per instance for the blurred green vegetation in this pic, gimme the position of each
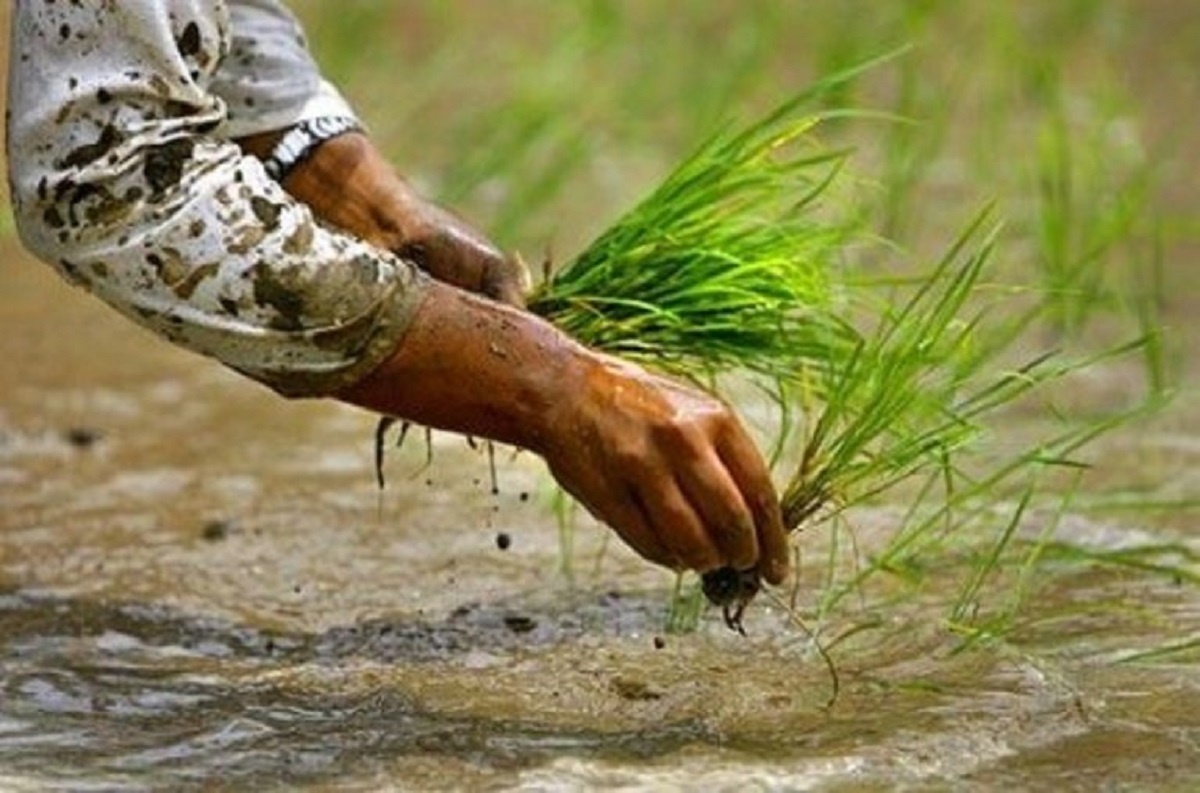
(544, 120)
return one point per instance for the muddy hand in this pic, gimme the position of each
(453, 252)
(671, 470)
(348, 183)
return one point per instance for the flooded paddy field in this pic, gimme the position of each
(202, 588)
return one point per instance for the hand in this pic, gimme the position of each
(452, 251)
(671, 470)
(347, 183)
(668, 467)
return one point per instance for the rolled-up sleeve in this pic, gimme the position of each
(124, 179)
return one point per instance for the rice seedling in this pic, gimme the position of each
(1174, 561)
(964, 513)
(1172, 653)
(742, 260)
(909, 150)
(1090, 199)
(686, 606)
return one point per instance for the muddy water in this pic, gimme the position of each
(201, 587)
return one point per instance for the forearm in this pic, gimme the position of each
(121, 180)
(479, 368)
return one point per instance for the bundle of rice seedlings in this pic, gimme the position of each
(730, 264)
(734, 263)
(901, 401)
(890, 409)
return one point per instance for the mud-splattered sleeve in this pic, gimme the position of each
(123, 179)
(268, 79)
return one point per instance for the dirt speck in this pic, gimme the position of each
(634, 690)
(189, 41)
(164, 164)
(217, 530)
(519, 623)
(82, 437)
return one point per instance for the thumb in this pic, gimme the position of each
(508, 280)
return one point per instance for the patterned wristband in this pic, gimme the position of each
(301, 140)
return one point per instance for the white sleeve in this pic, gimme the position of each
(122, 180)
(268, 79)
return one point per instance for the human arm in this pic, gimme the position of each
(269, 82)
(123, 181)
(669, 468)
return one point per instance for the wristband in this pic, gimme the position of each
(301, 140)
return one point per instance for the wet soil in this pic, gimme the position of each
(200, 586)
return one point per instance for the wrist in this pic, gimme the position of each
(346, 183)
(300, 143)
(560, 391)
(480, 368)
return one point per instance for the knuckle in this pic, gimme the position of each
(728, 428)
(629, 456)
(687, 438)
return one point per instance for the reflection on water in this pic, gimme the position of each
(131, 692)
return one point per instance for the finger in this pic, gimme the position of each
(507, 280)
(675, 523)
(748, 470)
(509, 293)
(709, 486)
(626, 518)
(636, 528)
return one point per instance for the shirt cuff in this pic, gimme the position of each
(391, 322)
(325, 101)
